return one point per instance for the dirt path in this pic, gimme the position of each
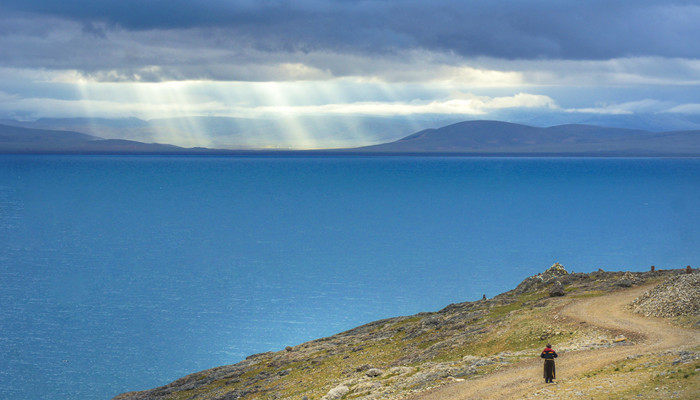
(525, 378)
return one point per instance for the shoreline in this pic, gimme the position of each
(346, 153)
(415, 352)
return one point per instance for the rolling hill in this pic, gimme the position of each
(493, 137)
(479, 138)
(15, 139)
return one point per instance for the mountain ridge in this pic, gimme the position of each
(476, 138)
(14, 139)
(508, 138)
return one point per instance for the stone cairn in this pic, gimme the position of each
(677, 296)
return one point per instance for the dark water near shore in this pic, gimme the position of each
(124, 273)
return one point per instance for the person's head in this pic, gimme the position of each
(549, 345)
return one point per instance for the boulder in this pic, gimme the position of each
(363, 367)
(557, 289)
(624, 283)
(336, 393)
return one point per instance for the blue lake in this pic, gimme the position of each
(125, 273)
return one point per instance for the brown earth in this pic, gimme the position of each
(645, 336)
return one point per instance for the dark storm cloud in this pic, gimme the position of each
(561, 29)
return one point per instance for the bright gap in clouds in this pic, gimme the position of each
(310, 111)
(325, 113)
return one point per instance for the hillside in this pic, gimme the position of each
(469, 137)
(427, 355)
(494, 137)
(17, 135)
(237, 133)
(15, 139)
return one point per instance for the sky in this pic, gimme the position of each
(541, 62)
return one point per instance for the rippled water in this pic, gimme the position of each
(124, 273)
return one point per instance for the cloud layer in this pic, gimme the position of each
(486, 58)
(128, 38)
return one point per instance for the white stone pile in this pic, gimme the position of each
(677, 296)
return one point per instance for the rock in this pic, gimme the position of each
(557, 289)
(624, 283)
(432, 321)
(258, 355)
(428, 376)
(363, 367)
(627, 280)
(686, 357)
(528, 284)
(400, 370)
(366, 387)
(482, 362)
(470, 358)
(374, 372)
(336, 393)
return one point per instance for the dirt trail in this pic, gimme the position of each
(525, 378)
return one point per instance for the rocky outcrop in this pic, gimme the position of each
(557, 289)
(678, 295)
(547, 278)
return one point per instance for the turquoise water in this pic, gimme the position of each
(125, 273)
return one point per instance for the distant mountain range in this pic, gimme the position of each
(470, 137)
(242, 133)
(14, 139)
(493, 137)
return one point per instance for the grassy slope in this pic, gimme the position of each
(428, 349)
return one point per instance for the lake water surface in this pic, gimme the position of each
(126, 272)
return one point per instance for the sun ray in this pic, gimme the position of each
(293, 114)
(169, 107)
(296, 135)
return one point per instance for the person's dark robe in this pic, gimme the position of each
(550, 370)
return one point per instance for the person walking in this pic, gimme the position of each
(550, 371)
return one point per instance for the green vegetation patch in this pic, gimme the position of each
(655, 376)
